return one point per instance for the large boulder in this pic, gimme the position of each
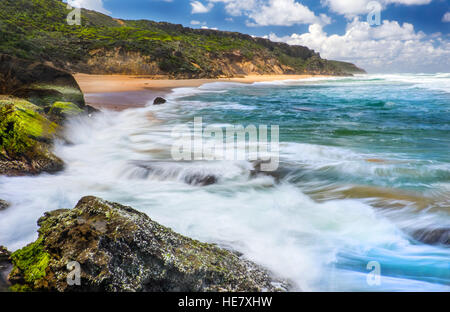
(38, 83)
(121, 249)
(25, 139)
(35, 100)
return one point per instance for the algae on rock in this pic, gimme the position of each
(121, 249)
(25, 137)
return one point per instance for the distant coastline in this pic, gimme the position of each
(119, 92)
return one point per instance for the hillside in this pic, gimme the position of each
(37, 30)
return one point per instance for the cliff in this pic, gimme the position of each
(38, 30)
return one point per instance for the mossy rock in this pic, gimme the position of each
(45, 95)
(38, 83)
(32, 261)
(60, 111)
(21, 128)
(121, 249)
(25, 138)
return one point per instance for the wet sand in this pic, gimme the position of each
(119, 92)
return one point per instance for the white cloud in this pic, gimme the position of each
(272, 12)
(390, 47)
(446, 17)
(238, 7)
(282, 13)
(206, 27)
(198, 7)
(351, 8)
(96, 5)
(197, 23)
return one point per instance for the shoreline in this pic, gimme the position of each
(120, 92)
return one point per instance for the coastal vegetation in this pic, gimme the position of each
(38, 30)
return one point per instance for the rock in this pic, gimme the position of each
(36, 100)
(121, 249)
(159, 101)
(4, 254)
(439, 236)
(201, 180)
(25, 139)
(3, 206)
(59, 111)
(5, 268)
(38, 83)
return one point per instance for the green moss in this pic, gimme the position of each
(54, 93)
(66, 108)
(20, 288)
(32, 262)
(19, 103)
(21, 126)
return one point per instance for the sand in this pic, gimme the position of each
(118, 92)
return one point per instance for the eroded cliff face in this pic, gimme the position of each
(117, 61)
(227, 64)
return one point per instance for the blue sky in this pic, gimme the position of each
(413, 35)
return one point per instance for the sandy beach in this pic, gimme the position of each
(118, 92)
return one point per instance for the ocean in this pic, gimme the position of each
(363, 179)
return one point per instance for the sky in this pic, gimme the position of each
(384, 36)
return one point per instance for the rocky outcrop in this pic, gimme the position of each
(38, 83)
(5, 268)
(35, 100)
(121, 249)
(25, 139)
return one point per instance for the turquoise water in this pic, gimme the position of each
(364, 167)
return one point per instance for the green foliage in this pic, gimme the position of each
(38, 29)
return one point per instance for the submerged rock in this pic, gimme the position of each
(3, 205)
(440, 236)
(201, 180)
(159, 101)
(121, 249)
(5, 268)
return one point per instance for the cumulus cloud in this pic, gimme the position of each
(198, 7)
(282, 13)
(272, 12)
(446, 17)
(390, 47)
(351, 8)
(238, 7)
(96, 5)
